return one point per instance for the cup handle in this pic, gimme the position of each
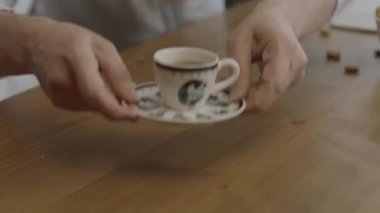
(227, 62)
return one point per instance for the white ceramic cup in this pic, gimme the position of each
(378, 20)
(187, 76)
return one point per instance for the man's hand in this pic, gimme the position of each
(269, 36)
(266, 38)
(77, 69)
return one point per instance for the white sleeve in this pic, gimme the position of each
(18, 7)
(5, 8)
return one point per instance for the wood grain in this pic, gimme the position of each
(317, 150)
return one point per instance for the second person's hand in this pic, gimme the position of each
(267, 38)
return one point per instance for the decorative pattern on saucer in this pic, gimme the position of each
(218, 108)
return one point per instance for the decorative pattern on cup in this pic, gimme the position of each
(192, 92)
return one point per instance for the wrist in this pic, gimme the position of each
(283, 10)
(13, 54)
(17, 37)
(273, 14)
(304, 17)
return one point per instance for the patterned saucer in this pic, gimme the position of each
(218, 108)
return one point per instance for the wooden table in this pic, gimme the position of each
(317, 150)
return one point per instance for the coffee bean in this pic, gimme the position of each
(324, 33)
(351, 70)
(333, 55)
(377, 53)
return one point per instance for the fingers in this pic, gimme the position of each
(93, 88)
(281, 69)
(298, 67)
(65, 61)
(275, 80)
(115, 71)
(240, 47)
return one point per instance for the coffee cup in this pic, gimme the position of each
(187, 76)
